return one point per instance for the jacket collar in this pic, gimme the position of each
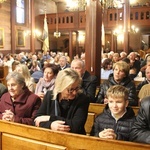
(21, 98)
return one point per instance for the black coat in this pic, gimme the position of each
(139, 86)
(89, 84)
(126, 82)
(122, 127)
(75, 116)
(141, 129)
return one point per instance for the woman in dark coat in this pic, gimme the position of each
(19, 104)
(119, 77)
(65, 108)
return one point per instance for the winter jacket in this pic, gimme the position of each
(89, 84)
(121, 127)
(139, 86)
(141, 128)
(126, 82)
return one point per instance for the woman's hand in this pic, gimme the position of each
(108, 134)
(60, 126)
(8, 115)
(41, 95)
(40, 119)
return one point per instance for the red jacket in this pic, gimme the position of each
(24, 107)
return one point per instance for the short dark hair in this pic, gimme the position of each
(106, 63)
(55, 68)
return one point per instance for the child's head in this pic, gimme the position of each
(117, 91)
(117, 99)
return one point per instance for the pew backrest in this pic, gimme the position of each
(98, 108)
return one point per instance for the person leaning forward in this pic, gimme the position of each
(65, 108)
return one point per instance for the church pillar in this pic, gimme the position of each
(93, 37)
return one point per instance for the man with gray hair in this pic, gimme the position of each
(63, 64)
(89, 82)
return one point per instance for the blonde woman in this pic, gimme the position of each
(23, 69)
(120, 76)
(66, 107)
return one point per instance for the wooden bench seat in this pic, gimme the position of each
(16, 136)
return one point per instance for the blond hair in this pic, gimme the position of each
(123, 66)
(118, 91)
(64, 79)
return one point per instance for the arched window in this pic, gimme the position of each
(20, 11)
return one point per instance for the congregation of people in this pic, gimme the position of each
(49, 90)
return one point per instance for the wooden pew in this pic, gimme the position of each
(3, 74)
(89, 123)
(136, 82)
(98, 108)
(94, 110)
(16, 136)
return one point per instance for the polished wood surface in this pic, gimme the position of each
(98, 108)
(16, 136)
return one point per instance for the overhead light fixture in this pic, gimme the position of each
(134, 29)
(56, 33)
(75, 5)
(1, 1)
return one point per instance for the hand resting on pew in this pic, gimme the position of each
(8, 115)
(66, 107)
(56, 125)
(108, 134)
(60, 126)
(41, 119)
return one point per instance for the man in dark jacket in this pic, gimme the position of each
(119, 77)
(116, 120)
(89, 82)
(140, 131)
(147, 79)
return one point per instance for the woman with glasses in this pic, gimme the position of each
(66, 107)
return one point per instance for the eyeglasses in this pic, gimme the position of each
(72, 90)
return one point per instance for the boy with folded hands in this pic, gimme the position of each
(117, 118)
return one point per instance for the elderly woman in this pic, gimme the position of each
(47, 82)
(18, 104)
(66, 107)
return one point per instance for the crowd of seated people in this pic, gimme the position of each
(67, 96)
